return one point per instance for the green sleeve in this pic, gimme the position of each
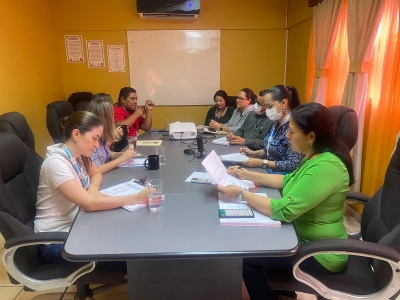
(316, 183)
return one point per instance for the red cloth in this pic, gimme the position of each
(120, 114)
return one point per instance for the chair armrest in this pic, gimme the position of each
(37, 238)
(357, 197)
(350, 246)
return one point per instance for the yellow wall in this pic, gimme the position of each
(30, 69)
(299, 27)
(252, 45)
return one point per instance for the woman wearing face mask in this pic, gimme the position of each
(220, 112)
(277, 156)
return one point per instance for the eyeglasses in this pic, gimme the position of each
(240, 98)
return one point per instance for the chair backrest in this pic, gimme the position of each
(232, 101)
(81, 106)
(347, 121)
(380, 220)
(15, 123)
(55, 111)
(75, 98)
(19, 179)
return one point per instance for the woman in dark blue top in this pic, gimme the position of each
(277, 157)
(220, 112)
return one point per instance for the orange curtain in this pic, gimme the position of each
(339, 66)
(382, 120)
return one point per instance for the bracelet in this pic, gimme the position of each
(241, 194)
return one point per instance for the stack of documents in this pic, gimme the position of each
(206, 176)
(123, 189)
(217, 170)
(149, 143)
(221, 141)
(133, 162)
(258, 220)
(234, 157)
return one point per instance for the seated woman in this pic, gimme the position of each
(220, 112)
(126, 112)
(313, 196)
(69, 180)
(105, 159)
(244, 104)
(277, 157)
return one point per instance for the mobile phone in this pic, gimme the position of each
(236, 213)
(212, 129)
(201, 180)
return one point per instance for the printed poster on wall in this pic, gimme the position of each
(95, 53)
(116, 58)
(74, 48)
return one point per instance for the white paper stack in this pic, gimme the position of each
(258, 220)
(221, 141)
(234, 157)
(123, 189)
(206, 176)
(133, 162)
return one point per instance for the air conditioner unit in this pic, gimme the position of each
(168, 9)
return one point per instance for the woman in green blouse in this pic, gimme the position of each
(220, 112)
(313, 196)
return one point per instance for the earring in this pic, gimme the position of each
(311, 143)
(284, 110)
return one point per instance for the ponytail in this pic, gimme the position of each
(294, 95)
(61, 125)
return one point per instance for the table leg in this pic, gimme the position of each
(194, 279)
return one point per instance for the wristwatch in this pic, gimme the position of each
(221, 128)
(241, 194)
(265, 164)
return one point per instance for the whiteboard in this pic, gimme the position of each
(175, 67)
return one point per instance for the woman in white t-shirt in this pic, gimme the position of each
(69, 180)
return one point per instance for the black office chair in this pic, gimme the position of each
(19, 178)
(373, 268)
(81, 106)
(347, 121)
(55, 111)
(15, 123)
(78, 97)
(232, 101)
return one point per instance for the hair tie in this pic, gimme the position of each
(65, 118)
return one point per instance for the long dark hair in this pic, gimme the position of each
(82, 120)
(249, 95)
(317, 118)
(281, 92)
(124, 92)
(223, 95)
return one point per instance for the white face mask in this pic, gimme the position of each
(257, 109)
(273, 115)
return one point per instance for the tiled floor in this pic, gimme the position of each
(9, 291)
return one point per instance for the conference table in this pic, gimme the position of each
(182, 251)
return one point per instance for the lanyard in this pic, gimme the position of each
(274, 130)
(82, 174)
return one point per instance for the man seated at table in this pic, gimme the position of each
(126, 112)
(256, 126)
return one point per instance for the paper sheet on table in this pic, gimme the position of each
(133, 162)
(258, 220)
(201, 175)
(126, 188)
(217, 170)
(149, 143)
(214, 132)
(234, 157)
(221, 141)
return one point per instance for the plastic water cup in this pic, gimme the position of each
(155, 195)
(160, 151)
(132, 143)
